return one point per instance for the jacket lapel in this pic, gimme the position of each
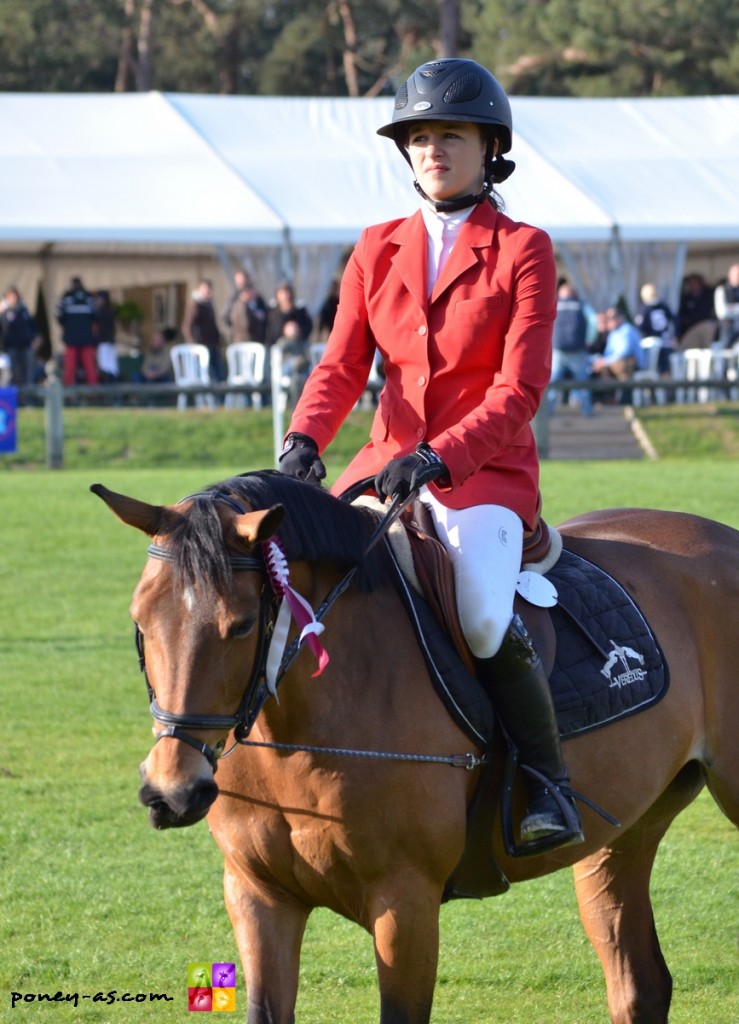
(475, 236)
(411, 259)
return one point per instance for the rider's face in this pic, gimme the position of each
(447, 157)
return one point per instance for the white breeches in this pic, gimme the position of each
(485, 544)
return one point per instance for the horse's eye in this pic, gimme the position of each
(240, 630)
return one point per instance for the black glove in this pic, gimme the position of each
(300, 459)
(409, 472)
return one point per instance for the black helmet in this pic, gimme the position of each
(451, 89)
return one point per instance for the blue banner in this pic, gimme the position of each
(8, 419)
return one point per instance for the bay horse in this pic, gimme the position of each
(303, 821)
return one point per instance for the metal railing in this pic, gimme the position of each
(53, 396)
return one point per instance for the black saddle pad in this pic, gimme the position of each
(608, 663)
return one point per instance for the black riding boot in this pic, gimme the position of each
(519, 690)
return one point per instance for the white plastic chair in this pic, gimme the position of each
(246, 361)
(699, 367)
(191, 365)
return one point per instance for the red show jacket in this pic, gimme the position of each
(466, 368)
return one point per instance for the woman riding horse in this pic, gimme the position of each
(460, 300)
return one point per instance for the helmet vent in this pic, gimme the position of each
(432, 70)
(401, 98)
(463, 89)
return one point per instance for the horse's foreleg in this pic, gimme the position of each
(613, 894)
(406, 933)
(269, 930)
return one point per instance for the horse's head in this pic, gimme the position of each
(199, 624)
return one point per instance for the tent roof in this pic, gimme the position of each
(662, 169)
(118, 168)
(182, 169)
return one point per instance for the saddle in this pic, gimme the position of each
(601, 657)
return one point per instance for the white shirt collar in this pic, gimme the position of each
(441, 227)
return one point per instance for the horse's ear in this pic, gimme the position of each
(151, 519)
(256, 527)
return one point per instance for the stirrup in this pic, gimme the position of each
(562, 794)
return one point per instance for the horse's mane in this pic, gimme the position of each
(317, 527)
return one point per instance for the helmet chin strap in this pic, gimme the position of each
(452, 205)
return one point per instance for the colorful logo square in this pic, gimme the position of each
(223, 976)
(200, 999)
(224, 1000)
(211, 987)
(199, 975)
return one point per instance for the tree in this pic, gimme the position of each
(588, 48)
(368, 47)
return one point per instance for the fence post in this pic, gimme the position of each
(54, 424)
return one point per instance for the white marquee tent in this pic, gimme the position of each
(149, 188)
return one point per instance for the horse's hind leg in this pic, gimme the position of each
(612, 888)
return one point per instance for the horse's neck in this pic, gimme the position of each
(375, 688)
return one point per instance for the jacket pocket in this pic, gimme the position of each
(479, 310)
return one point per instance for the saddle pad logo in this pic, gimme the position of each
(618, 670)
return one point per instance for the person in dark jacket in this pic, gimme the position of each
(570, 353)
(200, 327)
(107, 355)
(20, 338)
(655, 319)
(77, 313)
(284, 308)
(246, 312)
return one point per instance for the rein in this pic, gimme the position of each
(257, 692)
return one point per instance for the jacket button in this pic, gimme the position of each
(421, 381)
(419, 433)
(422, 329)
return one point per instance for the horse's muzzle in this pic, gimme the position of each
(183, 806)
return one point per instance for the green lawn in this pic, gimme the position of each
(93, 900)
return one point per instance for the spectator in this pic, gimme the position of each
(246, 312)
(655, 319)
(20, 338)
(199, 327)
(597, 345)
(327, 314)
(77, 313)
(284, 308)
(696, 317)
(726, 304)
(570, 355)
(623, 354)
(156, 367)
(107, 355)
(295, 358)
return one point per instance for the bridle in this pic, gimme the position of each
(257, 692)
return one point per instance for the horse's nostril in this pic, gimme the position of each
(182, 806)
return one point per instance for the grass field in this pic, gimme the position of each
(93, 900)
